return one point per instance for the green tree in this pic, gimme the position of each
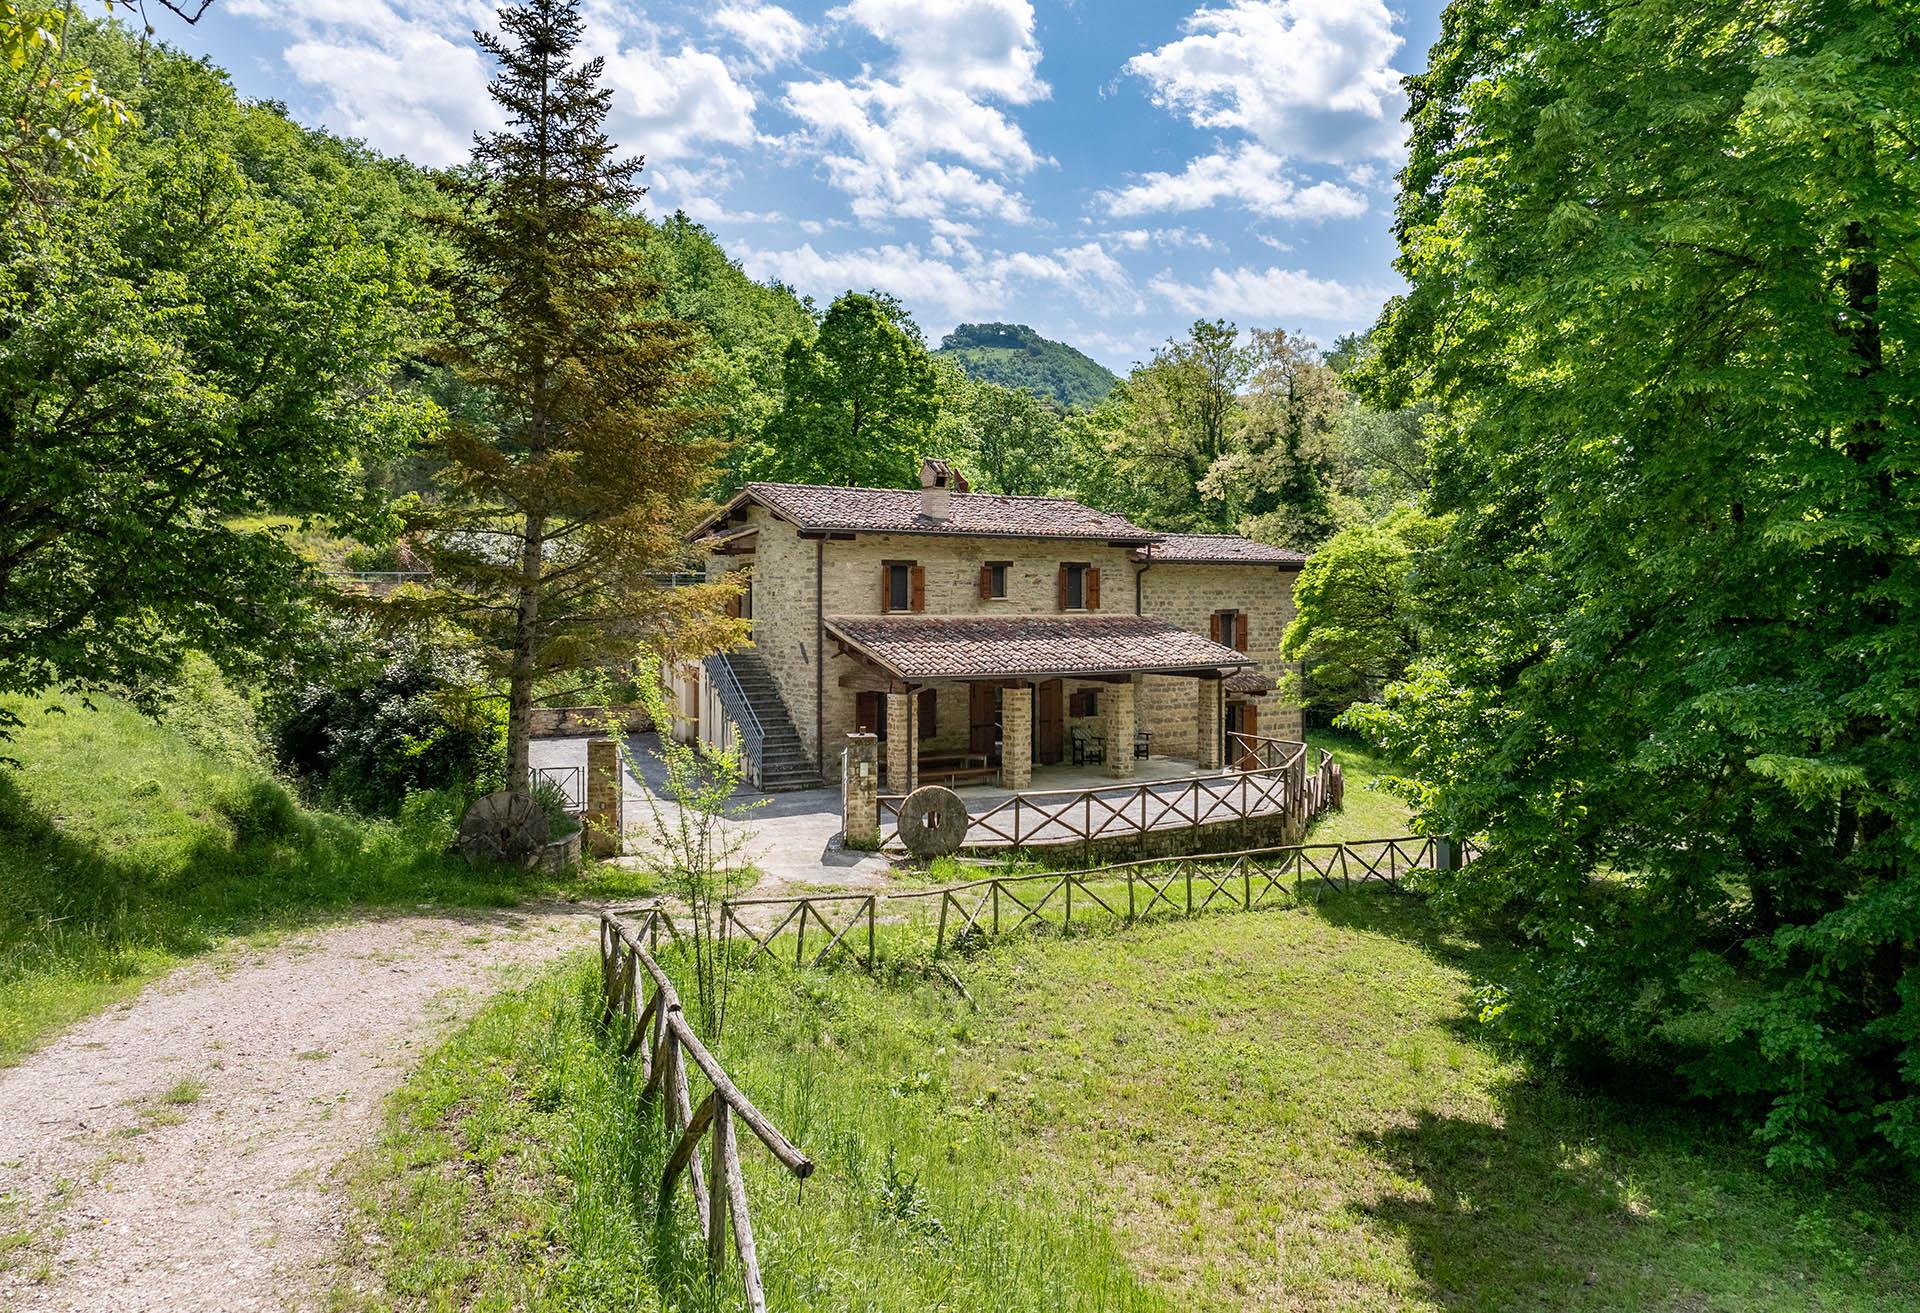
(1012, 443)
(1354, 630)
(1663, 262)
(181, 353)
(571, 488)
(1276, 479)
(860, 403)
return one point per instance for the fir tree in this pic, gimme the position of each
(568, 495)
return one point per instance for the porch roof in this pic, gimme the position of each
(919, 647)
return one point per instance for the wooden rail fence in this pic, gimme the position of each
(1001, 904)
(1276, 780)
(801, 909)
(663, 1040)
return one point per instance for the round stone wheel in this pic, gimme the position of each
(933, 821)
(503, 827)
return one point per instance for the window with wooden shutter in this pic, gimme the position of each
(901, 586)
(918, 585)
(986, 582)
(929, 714)
(1093, 588)
(1240, 631)
(1213, 626)
(1062, 588)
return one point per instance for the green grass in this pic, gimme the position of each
(1285, 1109)
(124, 849)
(1369, 812)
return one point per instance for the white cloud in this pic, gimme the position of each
(1308, 79)
(952, 278)
(406, 75)
(771, 35)
(664, 103)
(921, 139)
(1270, 296)
(983, 46)
(1253, 176)
(1139, 239)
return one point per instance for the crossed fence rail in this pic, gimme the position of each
(1275, 780)
(1001, 904)
(663, 1040)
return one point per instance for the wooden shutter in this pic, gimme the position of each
(1061, 587)
(866, 713)
(929, 714)
(1213, 626)
(886, 587)
(986, 582)
(917, 588)
(1092, 588)
(1250, 718)
(1240, 631)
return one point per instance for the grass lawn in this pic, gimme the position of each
(124, 849)
(1286, 1109)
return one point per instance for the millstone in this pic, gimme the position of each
(933, 821)
(502, 827)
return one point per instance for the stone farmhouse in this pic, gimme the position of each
(984, 637)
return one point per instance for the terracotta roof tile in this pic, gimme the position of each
(953, 647)
(979, 514)
(1217, 549)
(1249, 682)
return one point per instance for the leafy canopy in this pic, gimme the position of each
(1663, 261)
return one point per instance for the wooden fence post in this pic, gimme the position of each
(717, 1193)
(940, 935)
(872, 919)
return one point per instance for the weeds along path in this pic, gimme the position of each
(177, 1153)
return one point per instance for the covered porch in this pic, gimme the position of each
(987, 703)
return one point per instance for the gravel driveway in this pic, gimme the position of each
(177, 1153)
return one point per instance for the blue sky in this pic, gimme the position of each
(1103, 171)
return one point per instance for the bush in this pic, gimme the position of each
(417, 720)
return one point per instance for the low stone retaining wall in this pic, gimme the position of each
(1271, 830)
(570, 722)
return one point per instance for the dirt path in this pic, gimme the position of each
(177, 1153)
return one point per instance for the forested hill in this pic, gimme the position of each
(1015, 356)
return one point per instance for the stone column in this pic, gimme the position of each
(1016, 737)
(603, 816)
(1116, 726)
(902, 749)
(860, 793)
(1208, 753)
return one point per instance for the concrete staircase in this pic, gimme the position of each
(775, 753)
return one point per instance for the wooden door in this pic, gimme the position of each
(1050, 723)
(870, 714)
(1243, 718)
(983, 718)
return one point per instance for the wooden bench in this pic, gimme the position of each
(955, 774)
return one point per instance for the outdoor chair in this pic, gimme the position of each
(1142, 743)
(1088, 749)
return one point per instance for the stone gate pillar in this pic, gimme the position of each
(1207, 743)
(604, 816)
(1116, 726)
(1016, 736)
(860, 793)
(902, 747)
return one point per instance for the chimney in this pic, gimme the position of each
(938, 482)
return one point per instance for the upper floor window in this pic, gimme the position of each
(1079, 587)
(1230, 628)
(903, 586)
(993, 581)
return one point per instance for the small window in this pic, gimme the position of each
(1084, 703)
(1076, 587)
(899, 587)
(997, 579)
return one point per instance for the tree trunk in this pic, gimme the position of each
(520, 674)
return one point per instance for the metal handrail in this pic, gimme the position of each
(734, 697)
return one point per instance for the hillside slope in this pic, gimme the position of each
(1015, 356)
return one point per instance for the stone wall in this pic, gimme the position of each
(571, 722)
(783, 620)
(1188, 595)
